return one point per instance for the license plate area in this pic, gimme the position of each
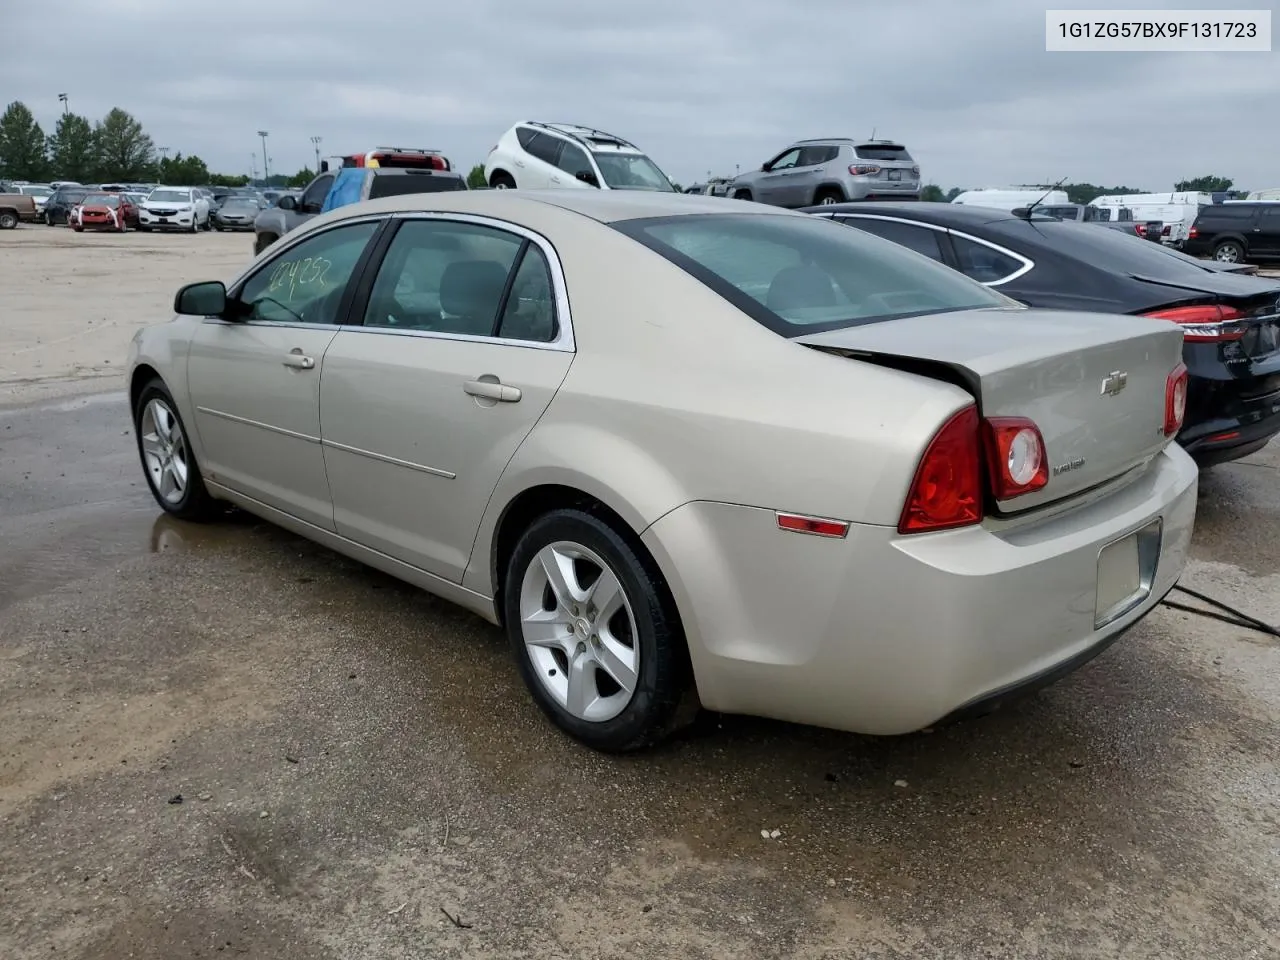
(895, 174)
(1127, 572)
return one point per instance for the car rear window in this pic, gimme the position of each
(881, 151)
(1109, 250)
(799, 275)
(398, 186)
(1227, 211)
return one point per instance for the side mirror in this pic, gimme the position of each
(586, 176)
(287, 202)
(764, 167)
(207, 299)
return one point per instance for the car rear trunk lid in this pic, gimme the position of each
(1094, 384)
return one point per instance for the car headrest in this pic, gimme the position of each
(472, 287)
(800, 286)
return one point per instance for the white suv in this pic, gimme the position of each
(535, 156)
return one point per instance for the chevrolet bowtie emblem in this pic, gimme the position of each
(1115, 381)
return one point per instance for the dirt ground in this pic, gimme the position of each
(227, 742)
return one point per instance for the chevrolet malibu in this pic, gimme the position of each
(687, 449)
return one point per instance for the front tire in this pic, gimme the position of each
(594, 632)
(262, 241)
(168, 461)
(742, 195)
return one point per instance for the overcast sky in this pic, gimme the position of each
(967, 86)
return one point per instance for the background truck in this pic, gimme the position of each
(17, 208)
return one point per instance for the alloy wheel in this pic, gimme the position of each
(164, 451)
(580, 631)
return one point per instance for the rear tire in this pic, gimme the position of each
(8, 220)
(501, 180)
(827, 196)
(1229, 251)
(568, 657)
(168, 462)
(262, 241)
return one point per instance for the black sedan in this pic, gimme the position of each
(1230, 323)
(58, 207)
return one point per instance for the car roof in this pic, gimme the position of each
(605, 206)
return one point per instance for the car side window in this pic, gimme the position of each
(573, 160)
(786, 161)
(304, 284)
(1271, 219)
(442, 276)
(313, 196)
(920, 239)
(545, 148)
(981, 262)
(530, 311)
(815, 156)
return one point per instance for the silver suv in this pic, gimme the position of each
(832, 170)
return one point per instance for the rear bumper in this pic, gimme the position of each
(883, 634)
(1231, 418)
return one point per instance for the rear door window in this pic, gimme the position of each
(815, 156)
(545, 148)
(398, 185)
(912, 236)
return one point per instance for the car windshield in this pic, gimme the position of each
(237, 202)
(72, 196)
(631, 171)
(37, 191)
(170, 196)
(799, 275)
(102, 200)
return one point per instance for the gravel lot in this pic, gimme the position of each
(355, 758)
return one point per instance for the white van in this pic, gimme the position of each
(1012, 198)
(1272, 194)
(1177, 211)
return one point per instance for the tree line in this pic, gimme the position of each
(114, 149)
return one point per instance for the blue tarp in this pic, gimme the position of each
(346, 188)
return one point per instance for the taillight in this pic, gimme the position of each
(1140, 229)
(1192, 233)
(863, 169)
(1208, 323)
(1164, 232)
(915, 171)
(1175, 400)
(946, 491)
(1016, 456)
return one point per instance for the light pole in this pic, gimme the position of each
(253, 165)
(315, 142)
(66, 104)
(164, 152)
(266, 173)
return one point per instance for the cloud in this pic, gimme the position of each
(968, 87)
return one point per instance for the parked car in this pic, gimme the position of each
(58, 207)
(413, 383)
(175, 208)
(38, 192)
(1236, 231)
(833, 170)
(344, 186)
(103, 211)
(1231, 324)
(237, 213)
(16, 208)
(534, 155)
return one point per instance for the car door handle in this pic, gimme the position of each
(298, 361)
(492, 390)
(555, 179)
